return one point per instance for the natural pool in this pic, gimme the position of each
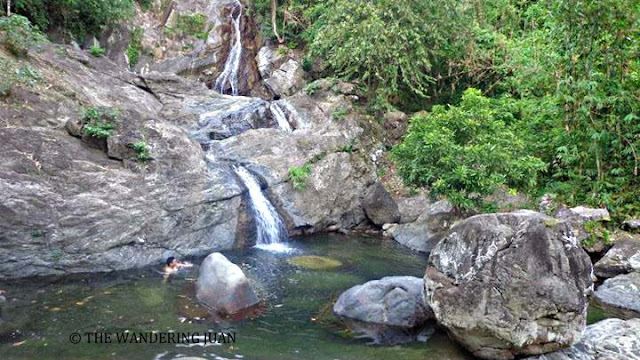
(293, 324)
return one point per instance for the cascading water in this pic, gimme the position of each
(230, 73)
(281, 118)
(270, 228)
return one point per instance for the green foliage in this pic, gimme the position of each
(143, 151)
(389, 45)
(339, 113)
(76, 17)
(311, 88)
(466, 152)
(135, 47)
(99, 122)
(298, 176)
(145, 5)
(18, 34)
(307, 64)
(14, 74)
(96, 51)
(596, 232)
(192, 25)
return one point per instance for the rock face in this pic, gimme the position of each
(390, 310)
(510, 284)
(379, 206)
(620, 295)
(623, 258)
(424, 233)
(610, 339)
(288, 79)
(67, 206)
(223, 287)
(411, 207)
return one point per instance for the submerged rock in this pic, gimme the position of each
(623, 258)
(620, 295)
(510, 284)
(390, 310)
(222, 286)
(424, 233)
(379, 206)
(314, 262)
(610, 339)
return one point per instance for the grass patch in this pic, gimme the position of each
(97, 51)
(299, 175)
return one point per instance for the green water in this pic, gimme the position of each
(294, 324)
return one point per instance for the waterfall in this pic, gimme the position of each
(230, 73)
(281, 118)
(270, 228)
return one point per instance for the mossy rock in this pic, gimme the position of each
(314, 262)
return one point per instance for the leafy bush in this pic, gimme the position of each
(77, 17)
(99, 122)
(298, 176)
(97, 51)
(12, 74)
(389, 45)
(193, 25)
(135, 47)
(145, 5)
(19, 34)
(466, 152)
(143, 151)
(339, 113)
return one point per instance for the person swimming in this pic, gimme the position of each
(173, 265)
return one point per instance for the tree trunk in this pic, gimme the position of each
(8, 7)
(274, 9)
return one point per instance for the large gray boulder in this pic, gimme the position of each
(584, 214)
(390, 310)
(510, 284)
(610, 339)
(632, 225)
(424, 233)
(622, 258)
(222, 286)
(620, 295)
(379, 206)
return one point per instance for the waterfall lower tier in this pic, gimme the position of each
(229, 74)
(270, 228)
(280, 117)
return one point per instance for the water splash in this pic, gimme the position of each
(230, 73)
(280, 117)
(270, 228)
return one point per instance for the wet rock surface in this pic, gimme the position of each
(223, 287)
(510, 284)
(620, 295)
(389, 311)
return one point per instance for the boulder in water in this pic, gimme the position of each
(610, 339)
(390, 310)
(510, 284)
(313, 262)
(620, 295)
(223, 287)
